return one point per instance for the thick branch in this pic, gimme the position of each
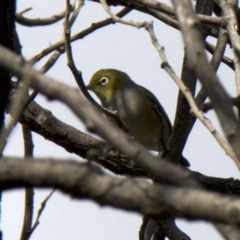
(44, 123)
(76, 178)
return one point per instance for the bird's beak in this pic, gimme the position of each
(89, 87)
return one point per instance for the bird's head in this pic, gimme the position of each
(105, 83)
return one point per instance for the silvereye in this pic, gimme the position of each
(137, 107)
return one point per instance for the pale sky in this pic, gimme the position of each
(130, 50)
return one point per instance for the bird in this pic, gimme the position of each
(140, 111)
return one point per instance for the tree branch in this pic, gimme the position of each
(205, 72)
(76, 179)
(33, 22)
(80, 35)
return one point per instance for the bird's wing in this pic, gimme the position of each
(158, 108)
(162, 115)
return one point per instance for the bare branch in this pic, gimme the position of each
(215, 61)
(28, 213)
(31, 22)
(229, 232)
(80, 35)
(29, 192)
(75, 179)
(40, 211)
(226, 60)
(161, 7)
(44, 123)
(78, 5)
(205, 72)
(229, 10)
(120, 20)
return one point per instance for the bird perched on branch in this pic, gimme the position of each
(136, 106)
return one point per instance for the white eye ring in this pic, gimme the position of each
(103, 81)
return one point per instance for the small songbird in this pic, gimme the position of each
(137, 107)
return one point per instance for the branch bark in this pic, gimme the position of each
(76, 179)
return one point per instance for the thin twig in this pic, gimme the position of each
(208, 105)
(94, 26)
(78, 5)
(50, 62)
(32, 22)
(226, 60)
(120, 20)
(40, 211)
(161, 7)
(215, 62)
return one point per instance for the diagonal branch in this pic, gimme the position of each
(194, 108)
(33, 22)
(94, 26)
(197, 57)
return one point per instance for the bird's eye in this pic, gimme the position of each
(103, 81)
